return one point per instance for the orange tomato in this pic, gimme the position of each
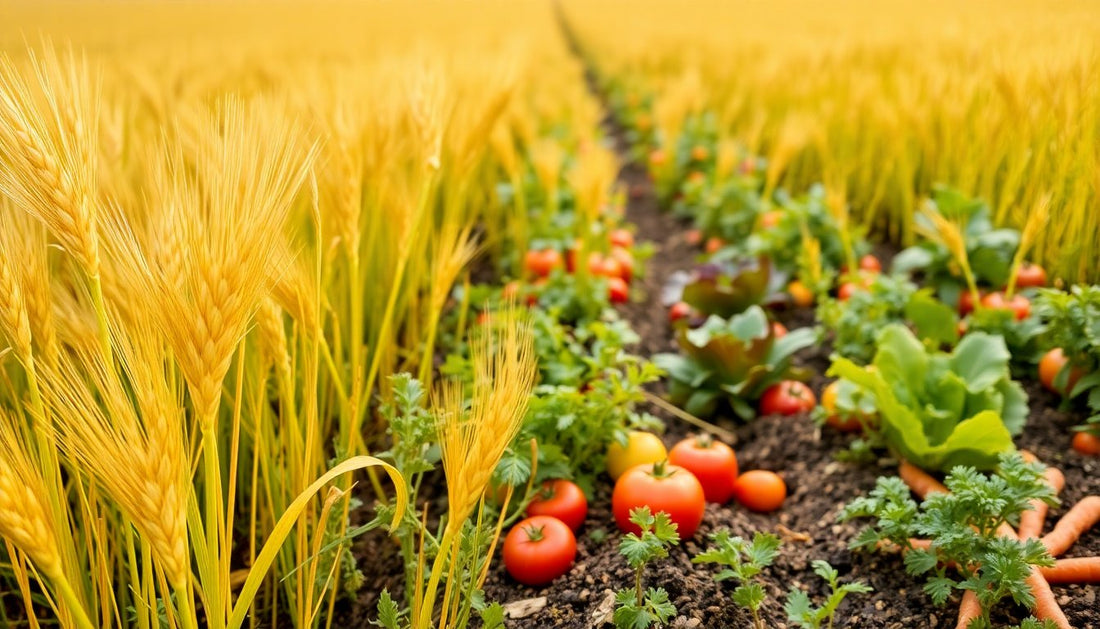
(760, 490)
(778, 330)
(800, 294)
(1050, 365)
(1031, 276)
(657, 158)
(1086, 443)
(1019, 305)
(693, 236)
(700, 153)
(828, 402)
(714, 243)
(626, 263)
(870, 263)
(770, 219)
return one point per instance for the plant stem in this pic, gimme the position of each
(638, 586)
(80, 617)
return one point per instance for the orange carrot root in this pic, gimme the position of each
(1031, 521)
(1046, 607)
(969, 609)
(918, 480)
(1077, 570)
(1082, 517)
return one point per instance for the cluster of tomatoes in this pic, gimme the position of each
(616, 266)
(680, 482)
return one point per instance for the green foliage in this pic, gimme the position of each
(1021, 337)
(937, 409)
(390, 615)
(734, 360)
(990, 251)
(639, 607)
(962, 526)
(856, 322)
(1072, 322)
(800, 609)
(743, 561)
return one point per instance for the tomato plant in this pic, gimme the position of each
(561, 499)
(661, 487)
(539, 550)
(760, 490)
(712, 462)
(541, 263)
(641, 447)
(788, 397)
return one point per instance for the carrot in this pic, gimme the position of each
(914, 542)
(969, 609)
(1046, 607)
(918, 480)
(1082, 517)
(1077, 570)
(1031, 521)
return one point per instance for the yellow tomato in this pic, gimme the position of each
(641, 447)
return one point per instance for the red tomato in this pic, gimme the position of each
(1086, 443)
(617, 290)
(679, 310)
(539, 550)
(800, 294)
(661, 487)
(1031, 276)
(778, 330)
(714, 243)
(541, 263)
(626, 263)
(1019, 304)
(621, 238)
(693, 236)
(789, 397)
(966, 303)
(1051, 364)
(870, 263)
(760, 490)
(561, 499)
(712, 462)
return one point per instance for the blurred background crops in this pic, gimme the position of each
(882, 99)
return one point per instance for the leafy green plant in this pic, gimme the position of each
(640, 607)
(1072, 322)
(743, 562)
(1022, 337)
(856, 322)
(962, 526)
(989, 251)
(800, 609)
(937, 409)
(733, 360)
(728, 289)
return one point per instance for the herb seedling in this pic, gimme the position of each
(962, 527)
(639, 607)
(800, 609)
(743, 561)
